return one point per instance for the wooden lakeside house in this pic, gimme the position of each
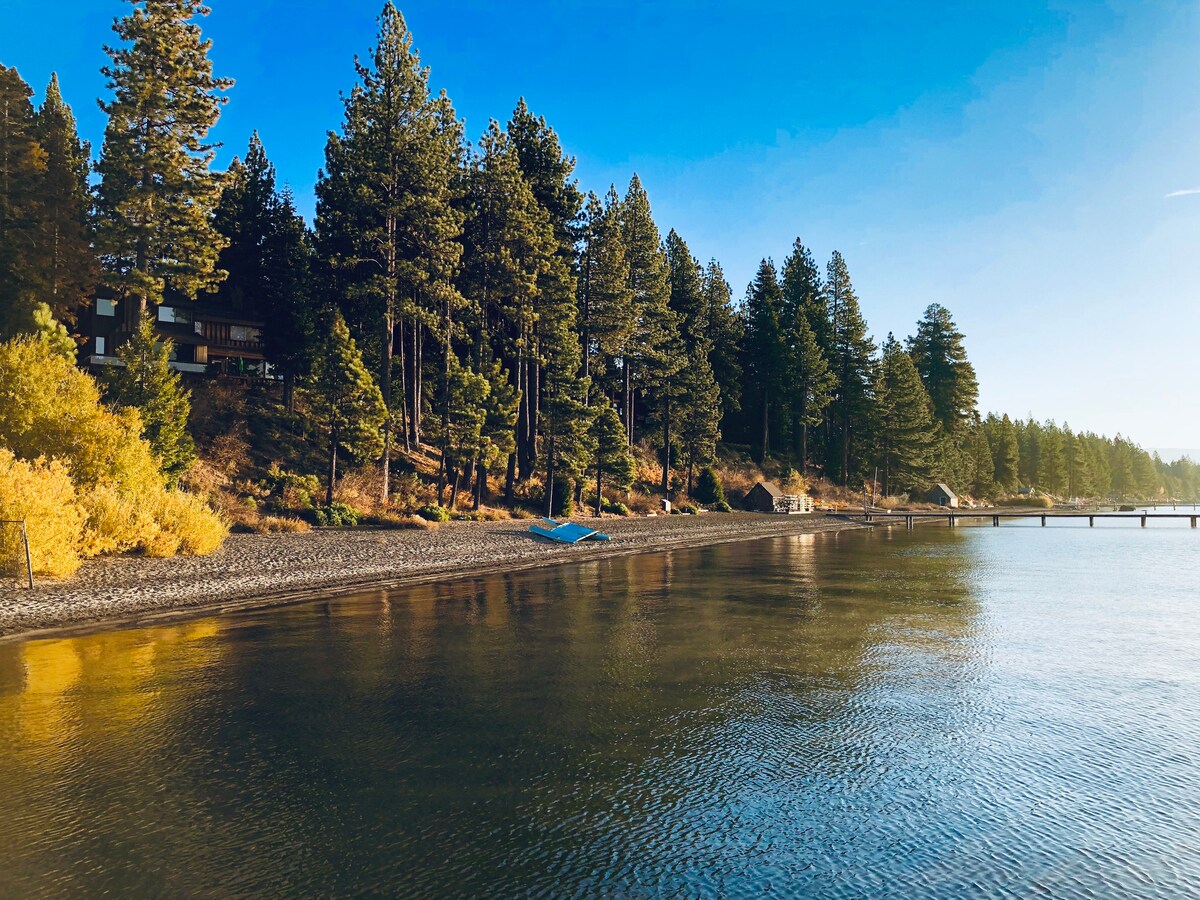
(767, 497)
(943, 496)
(209, 338)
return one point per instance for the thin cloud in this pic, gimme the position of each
(1183, 193)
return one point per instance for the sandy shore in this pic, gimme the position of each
(263, 570)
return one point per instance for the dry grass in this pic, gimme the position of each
(397, 521)
(280, 525)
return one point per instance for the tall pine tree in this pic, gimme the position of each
(903, 421)
(941, 359)
(388, 221)
(850, 359)
(765, 353)
(22, 167)
(157, 192)
(66, 265)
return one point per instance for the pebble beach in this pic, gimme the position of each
(262, 570)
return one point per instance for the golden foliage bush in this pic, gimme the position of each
(49, 407)
(42, 494)
(186, 525)
(118, 521)
(102, 491)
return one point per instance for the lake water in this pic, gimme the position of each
(985, 712)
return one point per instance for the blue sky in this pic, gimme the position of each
(1011, 160)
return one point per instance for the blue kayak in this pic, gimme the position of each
(566, 532)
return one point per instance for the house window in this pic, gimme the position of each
(105, 307)
(243, 333)
(100, 344)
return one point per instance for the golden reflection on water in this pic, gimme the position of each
(108, 682)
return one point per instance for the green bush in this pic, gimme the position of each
(336, 514)
(722, 506)
(688, 510)
(709, 489)
(431, 512)
(615, 507)
(293, 491)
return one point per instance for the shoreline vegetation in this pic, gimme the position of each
(259, 571)
(461, 332)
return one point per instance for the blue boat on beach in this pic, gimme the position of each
(566, 532)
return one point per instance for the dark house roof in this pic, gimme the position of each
(770, 487)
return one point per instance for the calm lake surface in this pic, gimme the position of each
(950, 713)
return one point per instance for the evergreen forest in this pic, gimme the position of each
(461, 297)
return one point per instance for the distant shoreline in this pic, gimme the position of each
(257, 571)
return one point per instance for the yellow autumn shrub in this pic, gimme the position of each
(186, 524)
(101, 492)
(48, 407)
(118, 521)
(41, 493)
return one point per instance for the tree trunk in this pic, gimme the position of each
(766, 434)
(666, 468)
(510, 480)
(289, 392)
(480, 483)
(441, 478)
(804, 449)
(599, 491)
(404, 389)
(548, 501)
(845, 451)
(385, 387)
(332, 476)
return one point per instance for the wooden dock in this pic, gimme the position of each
(952, 517)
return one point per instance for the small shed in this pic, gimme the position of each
(762, 497)
(943, 496)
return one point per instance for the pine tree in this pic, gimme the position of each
(1079, 481)
(244, 218)
(904, 426)
(497, 436)
(804, 293)
(148, 384)
(850, 361)
(765, 351)
(1052, 476)
(269, 263)
(346, 402)
(983, 473)
(157, 193)
(288, 302)
(460, 432)
(941, 359)
(388, 221)
(22, 171)
(549, 173)
(565, 416)
(693, 390)
(53, 333)
(726, 331)
(652, 355)
(509, 242)
(66, 266)
(699, 419)
(613, 460)
(1006, 454)
(809, 382)
(605, 296)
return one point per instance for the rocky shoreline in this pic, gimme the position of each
(265, 570)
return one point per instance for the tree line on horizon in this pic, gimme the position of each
(470, 297)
